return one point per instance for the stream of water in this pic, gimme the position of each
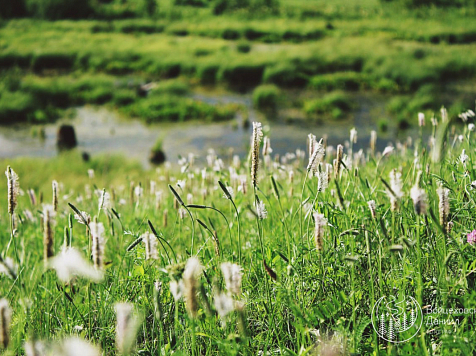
(99, 130)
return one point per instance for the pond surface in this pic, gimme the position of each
(99, 130)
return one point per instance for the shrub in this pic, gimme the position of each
(243, 47)
(334, 104)
(242, 75)
(207, 73)
(59, 9)
(53, 61)
(266, 97)
(285, 74)
(11, 9)
(340, 81)
(15, 106)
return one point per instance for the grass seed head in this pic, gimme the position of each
(98, 243)
(5, 320)
(70, 263)
(126, 327)
(372, 208)
(13, 189)
(255, 144)
(54, 186)
(443, 206)
(48, 232)
(190, 277)
(150, 242)
(232, 274)
(320, 224)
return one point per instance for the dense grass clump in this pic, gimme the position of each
(198, 260)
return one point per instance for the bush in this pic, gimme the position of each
(340, 81)
(286, 75)
(266, 97)
(243, 47)
(242, 75)
(334, 105)
(172, 108)
(53, 61)
(15, 107)
(59, 9)
(11, 9)
(260, 6)
(207, 73)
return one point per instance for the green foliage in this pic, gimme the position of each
(336, 105)
(59, 9)
(266, 97)
(243, 47)
(267, 6)
(163, 108)
(295, 278)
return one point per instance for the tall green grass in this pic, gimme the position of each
(298, 297)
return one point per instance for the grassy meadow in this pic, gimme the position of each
(340, 250)
(319, 240)
(321, 48)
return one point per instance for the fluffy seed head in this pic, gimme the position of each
(223, 304)
(232, 274)
(261, 210)
(420, 200)
(421, 119)
(83, 218)
(322, 181)
(320, 224)
(48, 232)
(372, 208)
(5, 319)
(98, 242)
(150, 242)
(190, 277)
(396, 185)
(338, 161)
(104, 200)
(443, 206)
(13, 189)
(373, 140)
(126, 327)
(267, 146)
(70, 263)
(54, 185)
(316, 157)
(255, 143)
(353, 135)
